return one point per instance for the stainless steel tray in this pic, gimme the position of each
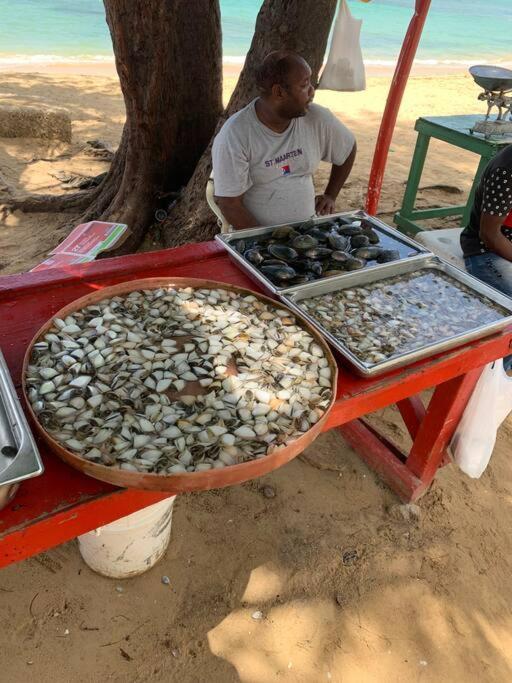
(19, 457)
(293, 297)
(390, 238)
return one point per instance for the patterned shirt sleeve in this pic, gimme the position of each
(497, 196)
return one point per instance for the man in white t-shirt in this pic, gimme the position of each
(265, 155)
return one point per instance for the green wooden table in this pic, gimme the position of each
(456, 131)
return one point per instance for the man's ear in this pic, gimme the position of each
(278, 91)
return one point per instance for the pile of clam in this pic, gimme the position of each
(291, 256)
(177, 380)
(399, 314)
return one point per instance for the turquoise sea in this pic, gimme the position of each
(456, 32)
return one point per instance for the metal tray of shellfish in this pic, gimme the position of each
(19, 457)
(380, 320)
(280, 257)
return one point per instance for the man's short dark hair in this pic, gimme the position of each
(275, 69)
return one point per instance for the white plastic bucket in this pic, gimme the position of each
(130, 545)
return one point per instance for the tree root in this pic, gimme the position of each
(52, 203)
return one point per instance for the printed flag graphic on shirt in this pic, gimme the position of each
(285, 170)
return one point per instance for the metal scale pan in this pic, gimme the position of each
(492, 78)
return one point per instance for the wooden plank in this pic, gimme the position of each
(412, 411)
(436, 212)
(438, 426)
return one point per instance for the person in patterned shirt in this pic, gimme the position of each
(487, 240)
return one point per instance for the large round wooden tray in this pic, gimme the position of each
(190, 481)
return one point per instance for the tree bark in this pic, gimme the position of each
(299, 25)
(169, 60)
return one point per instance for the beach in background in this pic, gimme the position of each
(72, 34)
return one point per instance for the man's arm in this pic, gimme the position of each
(325, 203)
(493, 238)
(235, 212)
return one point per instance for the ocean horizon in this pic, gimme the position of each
(74, 31)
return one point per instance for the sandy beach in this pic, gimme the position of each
(96, 108)
(427, 599)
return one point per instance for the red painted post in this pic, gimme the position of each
(439, 424)
(396, 91)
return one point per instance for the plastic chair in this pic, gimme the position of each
(210, 198)
(444, 243)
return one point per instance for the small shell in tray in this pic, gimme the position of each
(398, 314)
(173, 380)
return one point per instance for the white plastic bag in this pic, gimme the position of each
(345, 68)
(490, 403)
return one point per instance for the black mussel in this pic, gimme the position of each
(303, 242)
(354, 263)
(332, 273)
(240, 246)
(302, 265)
(329, 226)
(339, 256)
(273, 262)
(305, 226)
(278, 273)
(283, 233)
(302, 279)
(338, 242)
(332, 265)
(315, 268)
(282, 252)
(387, 255)
(318, 253)
(372, 235)
(318, 234)
(254, 256)
(349, 230)
(359, 241)
(326, 227)
(367, 253)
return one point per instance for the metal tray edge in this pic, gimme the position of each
(28, 457)
(411, 357)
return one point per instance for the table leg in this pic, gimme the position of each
(412, 411)
(431, 429)
(413, 181)
(484, 160)
(439, 424)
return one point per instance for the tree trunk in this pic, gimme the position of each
(299, 25)
(169, 60)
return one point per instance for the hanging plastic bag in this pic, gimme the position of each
(345, 68)
(490, 403)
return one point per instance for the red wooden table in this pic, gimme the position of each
(63, 503)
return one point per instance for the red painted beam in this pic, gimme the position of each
(77, 519)
(439, 425)
(412, 411)
(396, 91)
